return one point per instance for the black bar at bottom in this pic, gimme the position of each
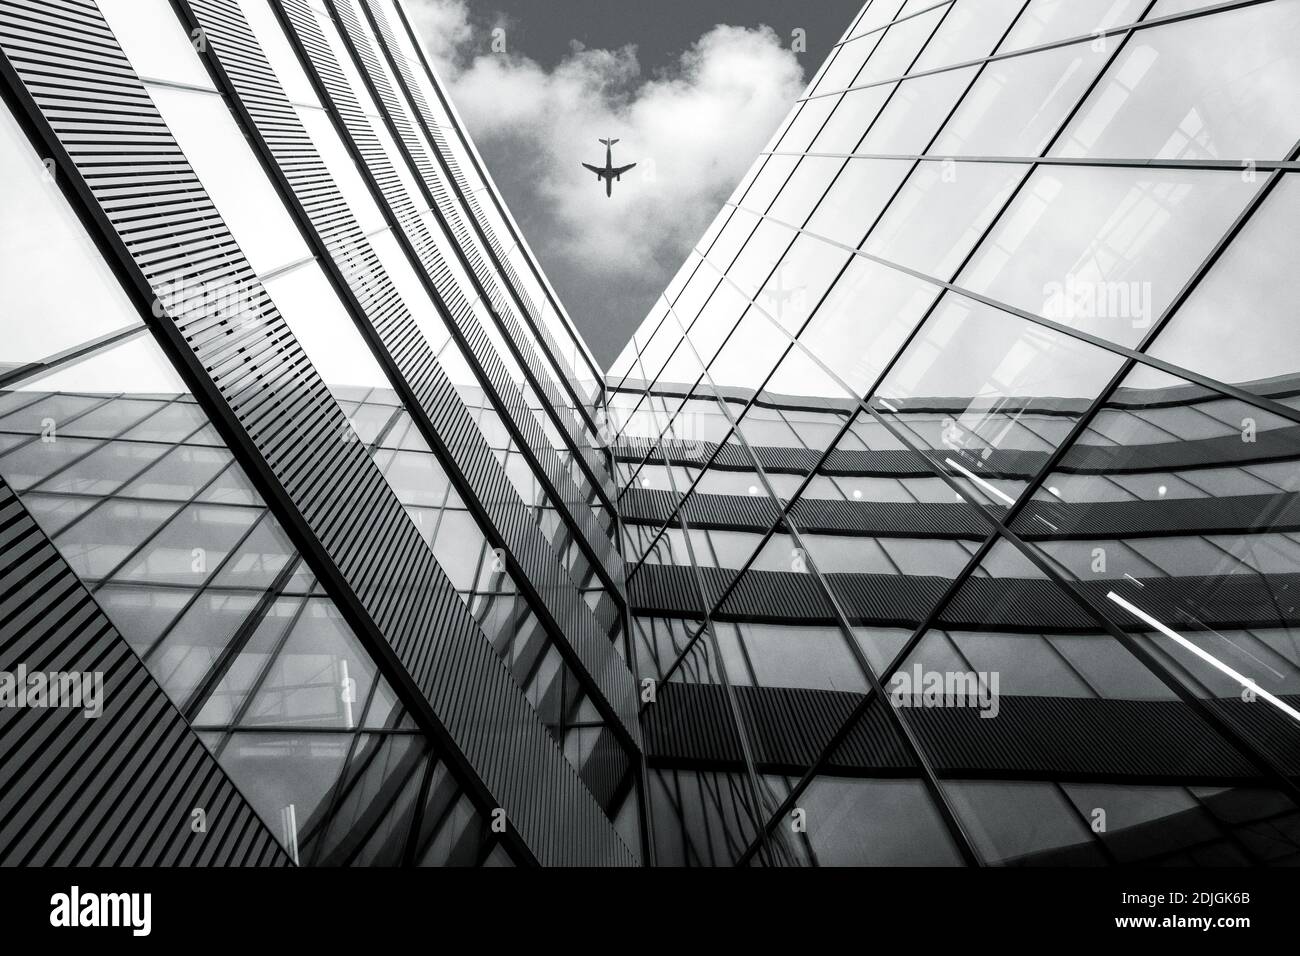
(335, 907)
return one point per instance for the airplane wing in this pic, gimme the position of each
(620, 170)
(595, 169)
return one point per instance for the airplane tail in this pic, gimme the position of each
(608, 142)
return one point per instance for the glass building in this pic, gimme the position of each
(942, 511)
(303, 454)
(959, 462)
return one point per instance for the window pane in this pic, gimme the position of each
(969, 374)
(865, 319)
(342, 168)
(1105, 249)
(800, 281)
(324, 329)
(912, 117)
(968, 32)
(806, 123)
(1216, 87)
(856, 821)
(899, 47)
(1018, 104)
(856, 198)
(1239, 323)
(41, 243)
(940, 213)
(854, 112)
(846, 63)
(232, 176)
(1048, 20)
(877, 14)
(155, 41)
(804, 189)
(266, 27)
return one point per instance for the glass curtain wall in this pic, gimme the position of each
(960, 460)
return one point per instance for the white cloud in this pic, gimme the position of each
(444, 27)
(693, 131)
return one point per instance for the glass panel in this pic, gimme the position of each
(750, 354)
(804, 189)
(876, 14)
(1017, 105)
(701, 818)
(155, 41)
(776, 170)
(801, 381)
(42, 242)
(856, 198)
(854, 113)
(968, 32)
(700, 681)
(915, 112)
(191, 547)
(800, 281)
(372, 817)
(198, 639)
(1104, 249)
(806, 124)
(791, 656)
(846, 63)
(1023, 823)
(940, 213)
(995, 369)
(317, 676)
(1238, 325)
(697, 293)
(342, 168)
(1048, 20)
(899, 46)
(1216, 87)
(864, 321)
(737, 231)
(1180, 826)
(266, 28)
(287, 778)
(1147, 513)
(762, 252)
(1013, 646)
(715, 323)
(324, 329)
(232, 176)
(179, 475)
(260, 559)
(866, 821)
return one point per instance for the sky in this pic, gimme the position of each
(692, 88)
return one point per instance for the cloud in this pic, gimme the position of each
(693, 130)
(443, 26)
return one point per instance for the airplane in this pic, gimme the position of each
(610, 172)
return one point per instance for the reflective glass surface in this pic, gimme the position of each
(1008, 215)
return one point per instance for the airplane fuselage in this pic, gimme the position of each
(610, 172)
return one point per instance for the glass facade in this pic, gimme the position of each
(956, 463)
(951, 511)
(360, 265)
